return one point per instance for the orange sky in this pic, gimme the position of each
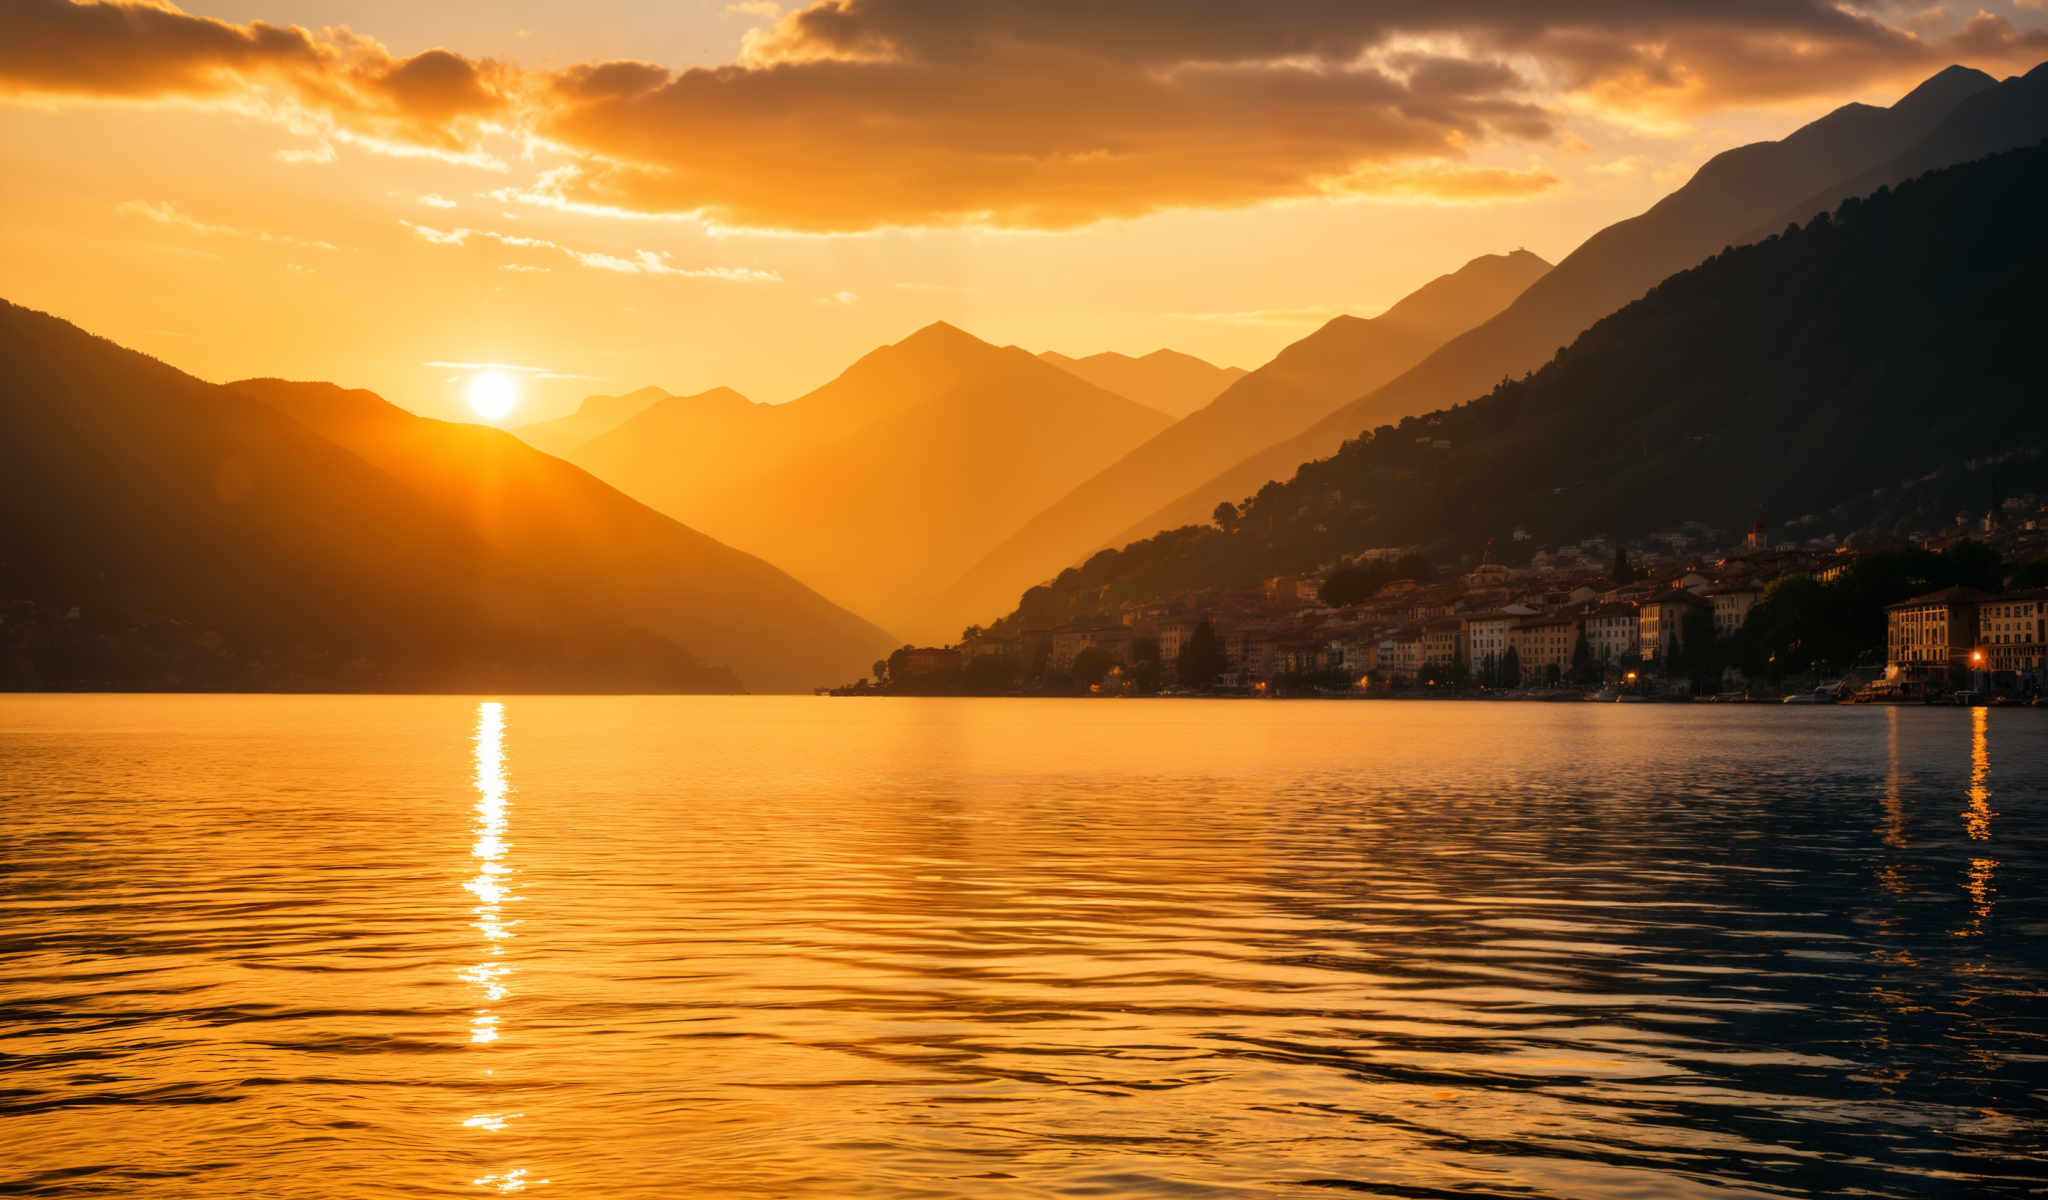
(619, 192)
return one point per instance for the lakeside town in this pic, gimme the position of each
(1686, 614)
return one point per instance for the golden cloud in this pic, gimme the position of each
(852, 115)
(346, 85)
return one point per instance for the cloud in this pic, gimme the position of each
(641, 262)
(854, 115)
(165, 213)
(334, 84)
(831, 146)
(436, 200)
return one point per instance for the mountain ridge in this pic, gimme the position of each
(1291, 391)
(1871, 368)
(847, 475)
(1167, 380)
(1733, 194)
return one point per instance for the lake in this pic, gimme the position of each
(786, 946)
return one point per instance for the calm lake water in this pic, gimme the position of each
(697, 947)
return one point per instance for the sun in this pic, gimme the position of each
(493, 395)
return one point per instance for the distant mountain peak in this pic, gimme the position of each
(1944, 89)
(941, 333)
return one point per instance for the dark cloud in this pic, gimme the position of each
(854, 114)
(139, 50)
(1040, 137)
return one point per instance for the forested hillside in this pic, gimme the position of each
(1859, 371)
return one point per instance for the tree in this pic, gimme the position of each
(1201, 658)
(991, 674)
(1623, 571)
(1091, 664)
(1146, 669)
(1585, 668)
(1699, 653)
(881, 670)
(1225, 516)
(972, 633)
(1511, 669)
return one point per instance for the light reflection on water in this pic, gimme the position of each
(311, 947)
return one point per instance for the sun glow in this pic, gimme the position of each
(493, 395)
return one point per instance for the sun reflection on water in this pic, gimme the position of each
(1977, 822)
(491, 886)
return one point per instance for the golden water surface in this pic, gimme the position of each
(708, 947)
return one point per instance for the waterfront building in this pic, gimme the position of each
(1543, 643)
(914, 661)
(1932, 638)
(1441, 643)
(1732, 604)
(1486, 640)
(2012, 629)
(1611, 632)
(1660, 624)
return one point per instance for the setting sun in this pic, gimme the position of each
(493, 395)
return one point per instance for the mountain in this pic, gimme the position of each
(595, 416)
(157, 531)
(1871, 370)
(1302, 383)
(612, 551)
(1174, 383)
(885, 483)
(1732, 199)
(1987, 120)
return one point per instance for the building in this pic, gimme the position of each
(1543, 642)
(1173, 635)
(914, 661)
(2012, 630)
(1401, 653)
(1441, 644)
(1486, 640)
(1069, 640)
(987, 647)
(1758, 537)
(1732, 603)
(1660, 624)
(1611, 633)
(1931, 638)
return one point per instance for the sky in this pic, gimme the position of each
(599, 196)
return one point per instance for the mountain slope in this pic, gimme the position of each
(1726, 202)
(1302, 383)
(885, 483)
(159, 532)
(1174, 383)
(1989, 120)
(615, 553)
(1865, 368)
(595, 416)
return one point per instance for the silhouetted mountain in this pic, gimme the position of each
(596, 415)
(885, 483)
(1174, 383)
(1735, 197)
(206, 540)
(1986, 120)
(1841, 370)
(615, 553)
(1301, 384)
